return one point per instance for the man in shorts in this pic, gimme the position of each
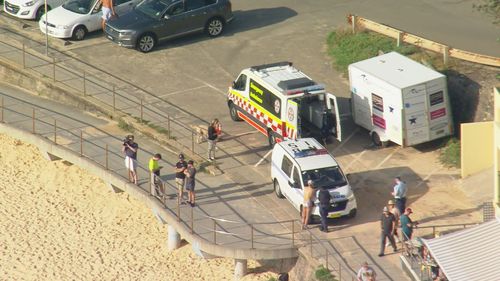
(107, 12)
(190, 181)
(130, 148)
(180, 177)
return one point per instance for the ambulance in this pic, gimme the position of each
(283, 103)
(295, 162)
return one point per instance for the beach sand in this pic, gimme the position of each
(61, 223)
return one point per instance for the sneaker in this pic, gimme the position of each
(381, 254)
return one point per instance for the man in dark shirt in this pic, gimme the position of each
(190, 182)
(180, 177)
(212, 139)
(324, 198)
(130, 148)
(388, 226)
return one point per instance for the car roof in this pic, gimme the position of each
(308, 153)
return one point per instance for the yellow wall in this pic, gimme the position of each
(476, 147)
(496, 174)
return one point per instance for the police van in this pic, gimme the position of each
(295, 162)
(283, 103)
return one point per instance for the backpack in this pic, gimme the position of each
(324, 197)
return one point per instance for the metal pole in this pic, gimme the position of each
(2, 110)
(114, 98)
(84, 84)
(142, 112)
(168, 126)
(24, 58)
(215, 232)
(340, 272)
(192, 221)
(81, 143)
(54, 68)
(251, 234)
(106, 156)
(55, 131)
(179, 209)
(33, 120)
(46, 30)
(293, 233)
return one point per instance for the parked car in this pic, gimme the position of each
(29, 9)
(152, 21)
(76, 18)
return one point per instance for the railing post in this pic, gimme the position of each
(399, 39)
(114, 98)
(33, 120)
(215, 232)
(340, 271)
(55, 131)
(179, 209)
(293, 233)
(251, 234)
(192, 221)
(84, 83)
(433, 231)
(142, 110)
(446, 55)
(106, 156)
(81, 143)
(353, 23)
(2, 110)
(54, 68)
(168, 126)
(24, 57)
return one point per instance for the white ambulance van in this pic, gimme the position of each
(294, 162)
(283, 103)
(399, 100)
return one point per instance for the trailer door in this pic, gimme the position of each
(333, 107)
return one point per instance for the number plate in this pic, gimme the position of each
(334, 215)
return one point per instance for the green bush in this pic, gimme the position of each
(272, 279)
(323, 274)
(346, 47)
(125, 126)
(450, 153)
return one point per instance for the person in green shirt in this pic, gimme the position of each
(407, 224)
(154, 171)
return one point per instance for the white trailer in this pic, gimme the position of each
(399, 100)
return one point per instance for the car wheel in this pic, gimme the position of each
(376, 139)
(146, 43)
(277, 189)
(271, 137)
(234, 112)
(214, 27)
(79, 33)
(352, 213)
(40, 12)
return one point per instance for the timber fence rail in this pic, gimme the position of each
(359, 23)
(99, 147)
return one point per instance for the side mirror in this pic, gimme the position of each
(348, 176)
(233, 84)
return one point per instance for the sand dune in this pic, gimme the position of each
(60, 223)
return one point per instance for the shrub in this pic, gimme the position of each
(450, 153)
(125, 126)
(323, 274)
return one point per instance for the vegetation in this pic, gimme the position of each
(490, 7)
(272, 279)
(450, 153)
(346, 47)
(323, 274)
(125, 126)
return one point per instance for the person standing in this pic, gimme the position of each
(324, 198)
(212, 139)
(190, 173)
(154, 172)
(108, 11)
(130, 148)
(308, 203)
(397, 214)
(399, 193)
(366, 273)
(387, 225)
(407, 224)
(180, 177)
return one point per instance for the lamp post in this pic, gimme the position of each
(46, 31)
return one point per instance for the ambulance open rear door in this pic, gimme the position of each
(333, 108)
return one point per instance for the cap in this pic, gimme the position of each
(191, 162)
(409, 210)
(390, 202)
(386, 209)
(181, 156)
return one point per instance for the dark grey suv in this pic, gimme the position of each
(152, 21)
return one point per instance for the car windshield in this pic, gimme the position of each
(154, 8)
(331, 177)
(79, 6)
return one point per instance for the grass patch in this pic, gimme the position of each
(346, 47)
(323, 274)
(272, 279)
(450, 153)
(125, 126)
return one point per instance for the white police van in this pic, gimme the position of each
(294, 162)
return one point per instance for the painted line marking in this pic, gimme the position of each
(263, 158)
(347, 139)
(182, 91)
(424, 180)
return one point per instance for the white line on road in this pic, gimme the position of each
(208, 84)
(265, 156)
(347, 139)
(182, 91)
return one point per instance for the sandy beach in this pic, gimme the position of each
(61, 223)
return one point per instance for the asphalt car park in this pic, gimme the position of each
(194, 72)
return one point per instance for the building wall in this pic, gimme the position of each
(496, 174)
(476, 147)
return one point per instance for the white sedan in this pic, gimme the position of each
(75, 18)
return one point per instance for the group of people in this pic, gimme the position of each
(324, 198)
(394, 214)
(185, 172)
